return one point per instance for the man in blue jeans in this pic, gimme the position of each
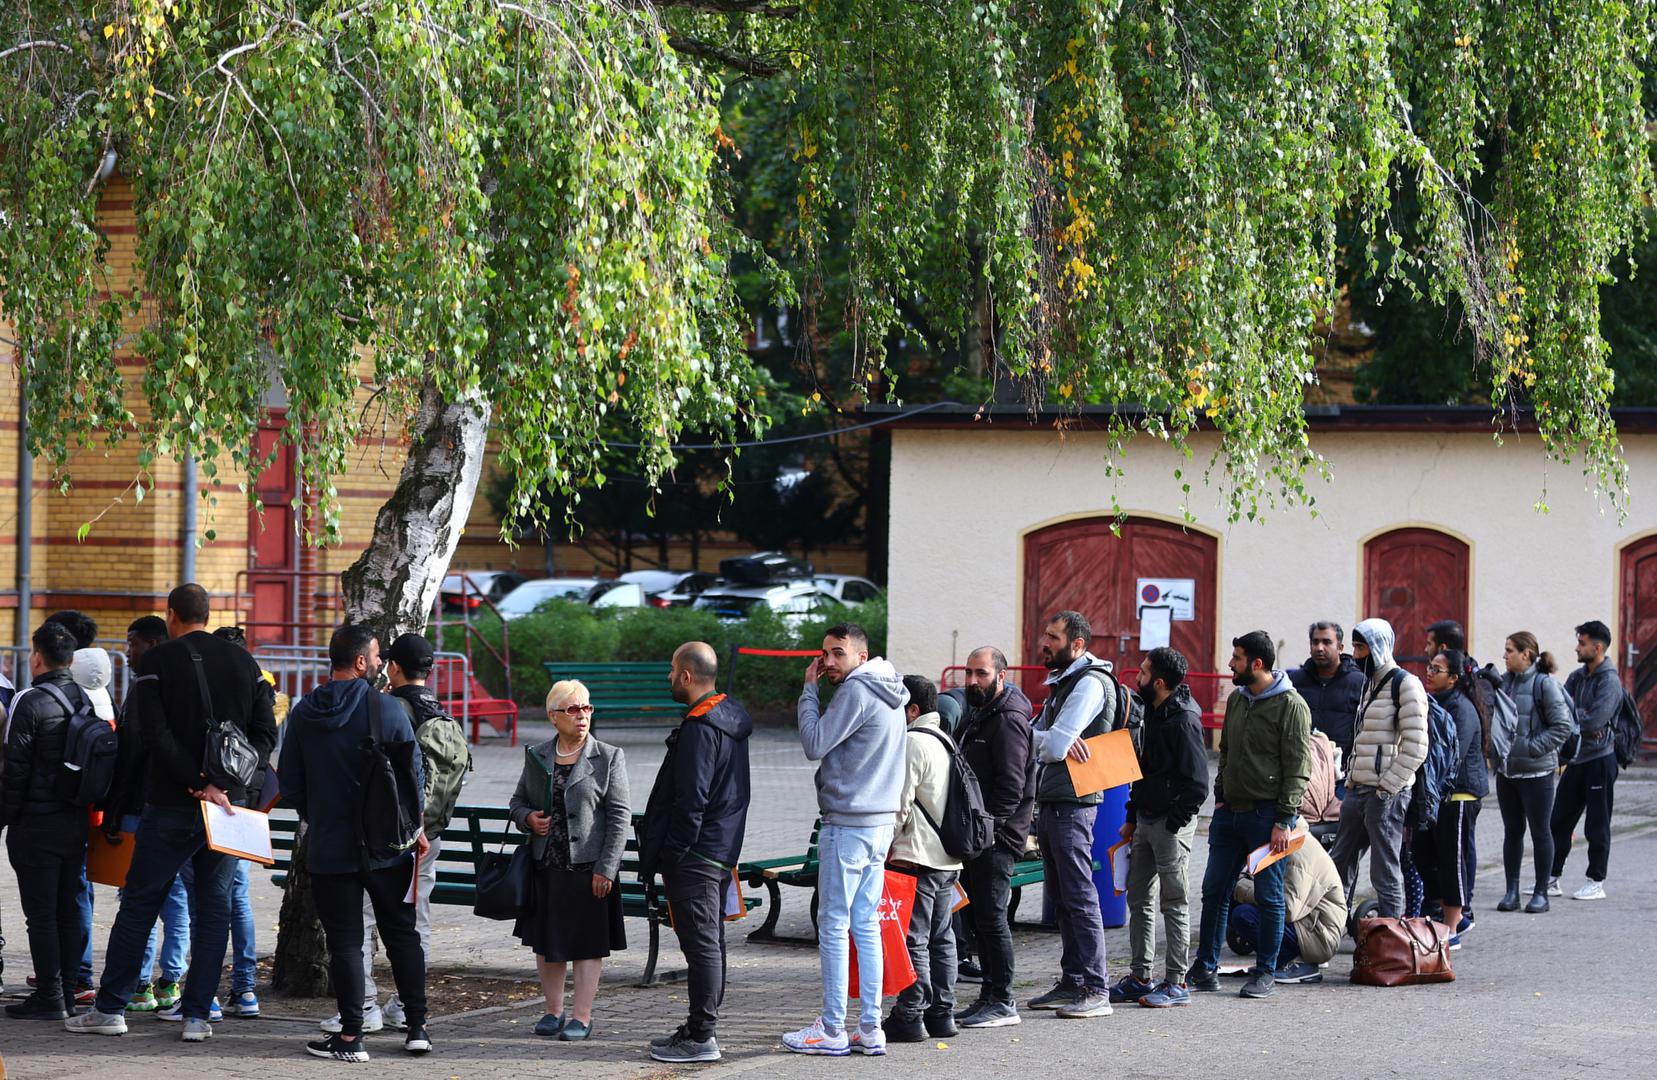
(859, 742)
(180, 686)
(1265, 765)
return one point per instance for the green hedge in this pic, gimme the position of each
(570, 632)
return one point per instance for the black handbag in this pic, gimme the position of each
(228, 759)
(503, 883)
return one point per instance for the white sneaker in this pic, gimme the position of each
(93, 1022)
(175, 1012)
(872, 1043)
(1593, 890)
(815, 1039)
(372, 1020)
(196, 1031)
(393, 1013)
(1553, 887)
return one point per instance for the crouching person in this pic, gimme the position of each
(927, 1006)
(1314, 915)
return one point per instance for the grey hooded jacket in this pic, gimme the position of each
(859, 740)
(1536, 744)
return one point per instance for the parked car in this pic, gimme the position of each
(466, 591)
(764, 568)
(616, 594)
(532, 594)
(794, 600)
(846, 588)
(671, 588)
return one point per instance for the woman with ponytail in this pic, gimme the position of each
(1525, 779)
(1439, 852)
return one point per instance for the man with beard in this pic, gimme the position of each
(1589, 782)
(1390, 744)
(1081, 703)
(1162, 821)
(1265, 763)
(1331, 685)
(996, 739)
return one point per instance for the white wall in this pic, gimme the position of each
(962, 500)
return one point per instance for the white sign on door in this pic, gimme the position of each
(1179, 595)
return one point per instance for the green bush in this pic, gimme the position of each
(572, 632)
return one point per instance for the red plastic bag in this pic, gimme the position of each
(897, 902)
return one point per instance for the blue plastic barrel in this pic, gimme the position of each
(1107, 833)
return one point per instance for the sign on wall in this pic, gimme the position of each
(1179, 595)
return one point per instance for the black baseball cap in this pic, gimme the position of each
(412, 652)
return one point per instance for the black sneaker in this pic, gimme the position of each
(941, 1025)
(1299, 972)
(988, 1014)
(1465, 925)
(1062, 994)
(899, 1030)
(682, 1049)
(417, 1041)
(1260, 985)
(1200, 978)
(335, 1048)
(38, 1007)
(969, 971)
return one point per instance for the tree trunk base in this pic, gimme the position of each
(300, 968)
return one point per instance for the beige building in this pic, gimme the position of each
(995, 524)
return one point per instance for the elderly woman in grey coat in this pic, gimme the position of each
(572, 800)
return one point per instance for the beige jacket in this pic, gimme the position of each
(1319, 803)
(1391, 743)
(1313, 901)
(925, 781)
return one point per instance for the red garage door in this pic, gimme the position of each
(1636, 649)
(1082, 565)
(1413, 578)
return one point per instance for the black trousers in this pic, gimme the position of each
(339, 906)
(989, 884)
(1526, 804)
(696, 890)
(1589, 788)
(1440, 853)
(48, 851)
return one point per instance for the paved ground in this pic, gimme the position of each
(1563, 994)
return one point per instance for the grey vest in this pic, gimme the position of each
(1054, 783)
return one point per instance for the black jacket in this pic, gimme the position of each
(1174, 761)
(166, 703)
(38, 729)
(1333, 701)
(698, 806)
(1470, 776)
(999, 743)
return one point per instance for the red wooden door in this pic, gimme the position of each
(1082, 565)
(1413, 578)
(273, 543)
(1637, 653)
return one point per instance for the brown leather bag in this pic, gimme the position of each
(1401, 952)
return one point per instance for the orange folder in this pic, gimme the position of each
(1111, 763)
(107, 863)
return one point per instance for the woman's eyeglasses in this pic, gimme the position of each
(1437, 669)
(576, 710)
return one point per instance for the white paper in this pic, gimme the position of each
(959, 900)
(246, 833)
(734, 907)
(1155, 626)
(1119, 868)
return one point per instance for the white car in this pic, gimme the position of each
(846, 588)
(532, 594)
(466, 591)
(794, 600)
(670, 588)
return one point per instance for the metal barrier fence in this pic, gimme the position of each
(299, 669)
(14, 664)
(1209, 689)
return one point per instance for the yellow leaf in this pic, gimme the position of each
(109, 30)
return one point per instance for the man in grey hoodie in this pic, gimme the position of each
(859, 741)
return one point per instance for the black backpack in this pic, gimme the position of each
(388, 810)
(89, 751)
(1627, 730)
(967, 829)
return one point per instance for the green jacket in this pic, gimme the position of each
(1265, 751)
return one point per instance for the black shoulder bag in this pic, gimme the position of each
(228, 760)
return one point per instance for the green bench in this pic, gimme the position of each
(800, 871)
(623, 690)
(476, 830)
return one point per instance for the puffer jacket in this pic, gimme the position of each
(925, 794)
(35, 738)
(1313, 901)
(1319, 804)
(1536, 744)
(1391, 742)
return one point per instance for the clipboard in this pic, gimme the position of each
(1262, 856)
(1111, 763)
(1117, 856)
(244, 834)
(107, 863)
(959, 898)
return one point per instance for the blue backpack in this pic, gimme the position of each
(1437, 774)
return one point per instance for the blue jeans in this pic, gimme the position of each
(1065, 833)
(244, 957)
(1231, 837)
(85, 902)
(1245, 930)
(851, 878)
(174, 947)
(168, 839)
